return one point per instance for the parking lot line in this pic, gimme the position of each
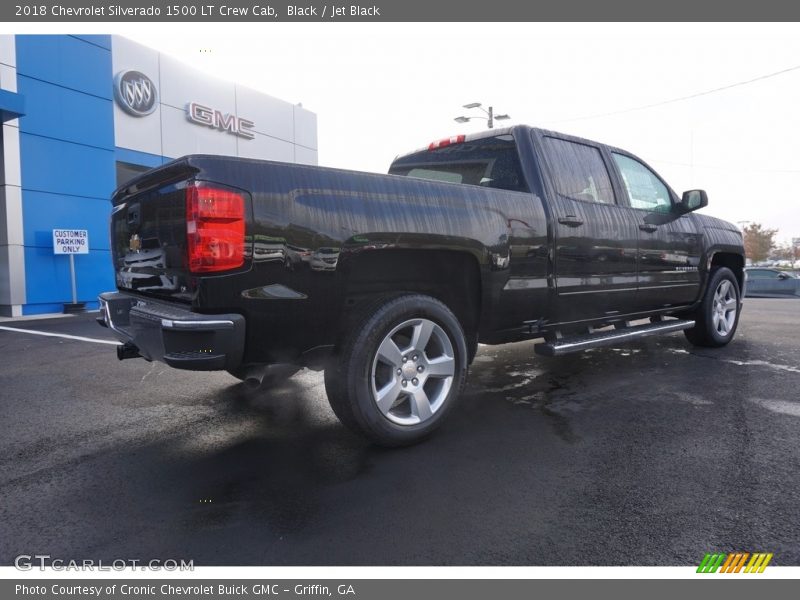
(60, 335)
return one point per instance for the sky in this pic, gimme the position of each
(384, 89)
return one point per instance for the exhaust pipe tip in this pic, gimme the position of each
(127, 350)
(258, 376)
(255, 378)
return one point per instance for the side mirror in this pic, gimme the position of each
(783, 275)
(692, 200)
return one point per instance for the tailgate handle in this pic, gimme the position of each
(134, 215)
(570, 221)
(647, 227)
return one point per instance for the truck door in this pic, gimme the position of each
(669, 243)
(595, 234)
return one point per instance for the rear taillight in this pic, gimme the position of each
(214, 228)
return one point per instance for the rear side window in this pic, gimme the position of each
(579, 171)
(489, 162)
(462, 174)
(645, 190)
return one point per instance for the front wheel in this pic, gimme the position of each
(717, 316)
(398, 370)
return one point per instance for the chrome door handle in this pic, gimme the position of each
(570, 221)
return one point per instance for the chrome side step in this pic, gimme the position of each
(576, 343)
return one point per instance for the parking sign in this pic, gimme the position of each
(70, 241)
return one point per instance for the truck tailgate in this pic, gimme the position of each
(148, 235)
(148, 240)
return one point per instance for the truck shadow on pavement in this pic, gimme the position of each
(273, 478)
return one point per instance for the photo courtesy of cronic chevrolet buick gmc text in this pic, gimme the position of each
(389, 282)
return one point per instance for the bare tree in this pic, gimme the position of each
(783, 252)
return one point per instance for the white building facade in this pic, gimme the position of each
(81, 115)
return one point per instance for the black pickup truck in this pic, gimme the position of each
(389, 282)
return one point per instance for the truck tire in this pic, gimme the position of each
(472, 347)
(398, 369)
(717, 316)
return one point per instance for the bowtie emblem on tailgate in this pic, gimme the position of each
(135, 243)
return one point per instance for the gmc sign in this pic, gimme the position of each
(204, 115)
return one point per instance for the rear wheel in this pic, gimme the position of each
(717, 316)
(398, 370)
(472, 347)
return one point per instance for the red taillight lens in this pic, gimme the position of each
(214, 228)
(456, 139)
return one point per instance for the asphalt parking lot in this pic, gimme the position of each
(652, 453)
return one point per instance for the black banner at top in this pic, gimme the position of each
(243, 11)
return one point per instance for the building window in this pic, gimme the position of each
(127, 171)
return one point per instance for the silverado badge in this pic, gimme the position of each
(135, 244)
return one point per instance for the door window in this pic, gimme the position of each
(645, 190)
(579, 171)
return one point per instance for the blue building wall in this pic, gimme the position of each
(67, 157)
(68, 153)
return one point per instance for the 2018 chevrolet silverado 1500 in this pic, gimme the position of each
(389, 282)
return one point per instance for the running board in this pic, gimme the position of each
(576, 343)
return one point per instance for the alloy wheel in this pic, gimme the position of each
(412, 371)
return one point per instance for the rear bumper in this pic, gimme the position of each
(174, 335)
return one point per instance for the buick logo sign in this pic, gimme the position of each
(135, 93)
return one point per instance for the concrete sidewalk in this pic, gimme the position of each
(44, 316)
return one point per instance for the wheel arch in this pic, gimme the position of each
(730, 259)
(451, 276)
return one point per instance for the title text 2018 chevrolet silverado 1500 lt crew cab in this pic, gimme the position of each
(389, 282)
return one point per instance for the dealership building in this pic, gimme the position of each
(83, 114)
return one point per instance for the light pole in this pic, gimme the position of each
(490, 116)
